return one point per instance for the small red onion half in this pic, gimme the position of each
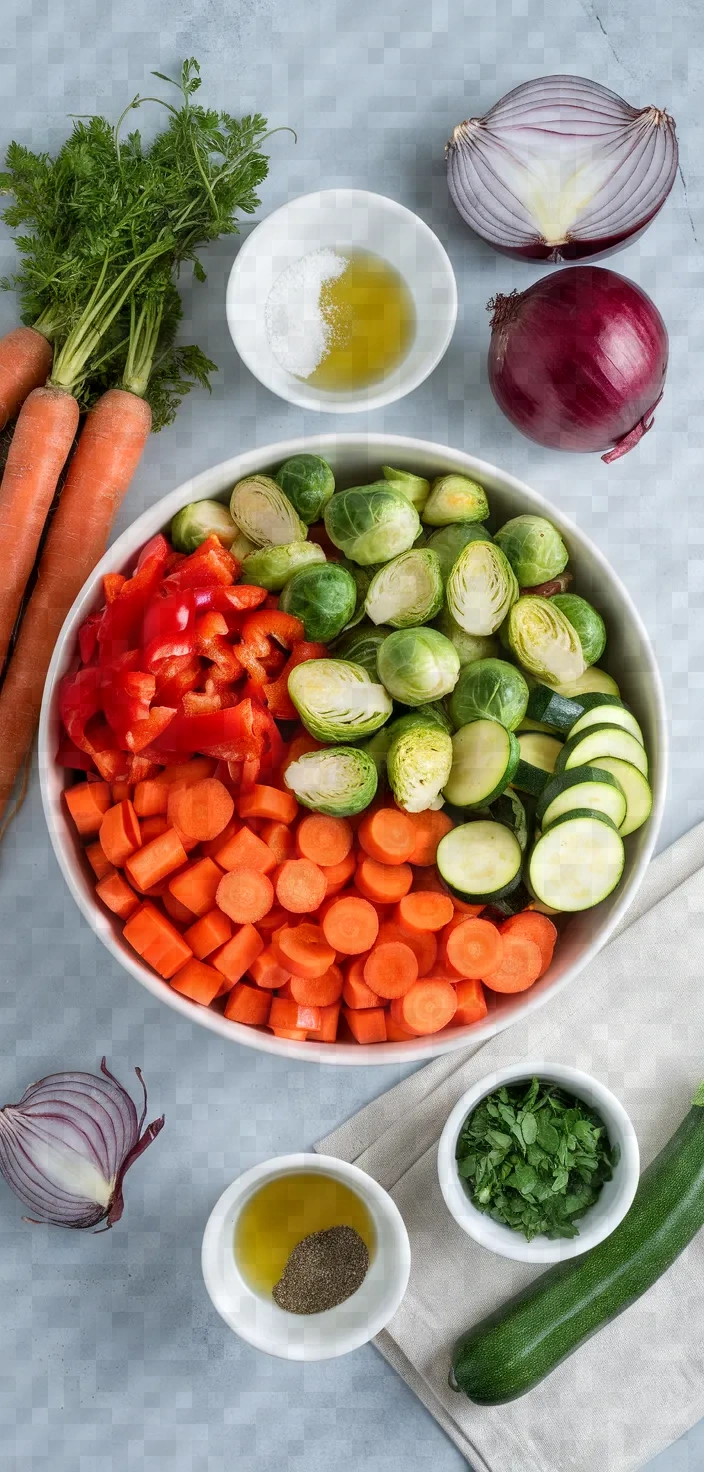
(578, 361)
(562, 168)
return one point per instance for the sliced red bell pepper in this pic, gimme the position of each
(126, 695)
(276, 693)
(201, 702)
(142, 770)
(174, 677)
(267, 733)
(121, 623)
(226, 734)
(69, 756)
(88, 637)
(113, 583)
(271, 622)
(240, 599)
(79, 701)
(113, 764)
(169, 628)
(209, 566)
(142, 733)
(212, 644)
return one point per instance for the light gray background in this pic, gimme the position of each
(112, 1359)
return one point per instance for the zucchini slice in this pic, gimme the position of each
(577, 862)
(481, 860)
(614, 713)
(639, 798)
(551, 709)
(583, 787)
(484, 760)
(587, 748)
(538, 755)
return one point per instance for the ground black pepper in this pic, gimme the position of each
(323, 1270)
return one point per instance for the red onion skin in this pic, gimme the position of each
(578, 361)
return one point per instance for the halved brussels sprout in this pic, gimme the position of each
(418, 762)
(339, 780)
(469, 646)
(271, 567)
(534, 549)
(590, 626)
(361, 645)
(418, 665)
(406, 591)
(309, 483)
(413, 487)
(455, 498)
(337, 700)
(323, 597)
(371, 523)
(200, 519)
(544, 641)
(481, 588)
(489, 689)
(264, 513)
(449, 541)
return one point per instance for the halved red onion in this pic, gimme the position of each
(561, 168)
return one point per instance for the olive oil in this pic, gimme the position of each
(281, 1213)
(370, 313)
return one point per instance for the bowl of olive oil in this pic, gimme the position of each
(342, 301)
(306, 1257)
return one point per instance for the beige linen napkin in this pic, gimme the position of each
(634, 1018)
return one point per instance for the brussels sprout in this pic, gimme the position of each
(590, 626)
(413, 487)
(271, 567)
(339, 780)
(323, 597)
(455, 498)
(264, 513)
(371, 523)
(489, 689)
(468, 646)
(534, 549)
(407, 591)
(362, 578)
(309, 483)
(544, 641)
(418, 665)
(419, 762)
(337, 700)
(361, 645)
(241, 547)
(201, 519)
(449, 541)
(481, 588)
(378, 749)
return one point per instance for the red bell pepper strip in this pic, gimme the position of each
(88, 637)
(276, 693)
(126, 695)
(169, 628)
(113, 583)
(227, 734)
(79, 701)
(142, 733)
(271, 622)
(122, 620)
(69, 756)
(240, 599)
(209, 566)
(174, 677)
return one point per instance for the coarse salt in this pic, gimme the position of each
(299, 336)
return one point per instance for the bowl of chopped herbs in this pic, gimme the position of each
(538, 1162)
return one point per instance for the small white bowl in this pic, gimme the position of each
(322, 1336)
(344, 220)
(614, 1199)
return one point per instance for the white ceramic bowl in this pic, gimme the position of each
(614, 1199)
(354, 459)
(322, 1336)
(345, 220)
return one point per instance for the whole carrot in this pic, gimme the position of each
(25, 361)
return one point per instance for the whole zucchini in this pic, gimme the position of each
(515, 1347)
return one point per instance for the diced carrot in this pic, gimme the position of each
(426, 1007)
(274, 920)
(356, 993)
(100, 865)
(337, 875)
(152, 827)
(156, 940)
(471, 1003)
(268, 972)
(538, 928)
(244, 894)
(351, 925)
(268, 802)
(180, 914)
(120, 791)
(237, 955)
(318, 991)
(520, 965)
(391, 969)
(87, 803)
(248, 1004)
(285, 1013)
(329, 1018)
(395, 1033)
(211, 931)
(209, 850)
(472, 948)
(246, 851)
(327, 841)
(115, 892)
(424, 911)
(297, 1034)
(150, 798)
(429, 827)
(387, 836)
(386, 883)
(201, 810)
(199, 982)
(119, 835)
(279, 838)
(303, 950)
(155, 860)
(197, 886)
(367, 1025)
(423, 944)
(195, 770)
(300, 886)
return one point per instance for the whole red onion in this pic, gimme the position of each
(578, 361)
